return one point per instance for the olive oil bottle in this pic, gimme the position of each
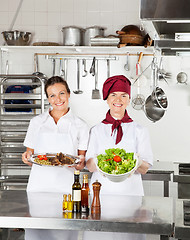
(76, 192)
(69, 204)
(65, 202)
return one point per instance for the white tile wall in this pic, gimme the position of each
(37, 14)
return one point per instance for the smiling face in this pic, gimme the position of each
(118, 101)
(58, 97)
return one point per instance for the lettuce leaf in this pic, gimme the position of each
(108, 165)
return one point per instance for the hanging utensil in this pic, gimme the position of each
(138, 63)
(160, 98)
(96, 92)
(62, 72)
(138, 100)
(126, 66)
(155, 105)
(139, 73)
(162, 74)
(38, 73)
(78, 91)
(65, 62)
(92, 68)
(63, 68)
(108, 68)
(53, 71)
(36, 63)
(142, 73)
(7, 67)
(85, 72)
(153, 111)
(182, 78)
(158, 95)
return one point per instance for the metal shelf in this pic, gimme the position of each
(33, 106)
(28, 96)
(14, 125)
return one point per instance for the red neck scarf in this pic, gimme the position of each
(116, 124)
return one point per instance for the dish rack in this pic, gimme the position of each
(16, 109)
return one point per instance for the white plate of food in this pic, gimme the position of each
(116, 164)
(57, 159)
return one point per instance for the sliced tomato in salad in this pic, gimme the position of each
(42, 157)
(117, 159)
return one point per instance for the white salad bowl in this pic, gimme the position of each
(118, 177)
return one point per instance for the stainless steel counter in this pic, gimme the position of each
(160, 171)
(151, 215)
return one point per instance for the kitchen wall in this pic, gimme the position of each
(45, 18)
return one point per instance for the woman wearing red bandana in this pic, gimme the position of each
(118, 130)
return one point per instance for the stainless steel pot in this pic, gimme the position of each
(159, 97)
(72, 36)
(156, 104)
(92, 32)
(152, 110)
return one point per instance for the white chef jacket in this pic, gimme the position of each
(135, 139)
(44, 136)
(69, 123)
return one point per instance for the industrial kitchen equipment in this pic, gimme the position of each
(182, 219)
(182, 177)
(16, 110)
(168, 24)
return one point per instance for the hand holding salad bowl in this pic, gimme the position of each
(116, 164)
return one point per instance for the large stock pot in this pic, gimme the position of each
(92, 32)
(72, 36)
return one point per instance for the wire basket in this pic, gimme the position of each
(138, 102)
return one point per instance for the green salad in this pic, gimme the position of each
(116, 161)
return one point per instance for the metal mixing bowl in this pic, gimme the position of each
(17, 38)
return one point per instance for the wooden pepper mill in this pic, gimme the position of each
(96, 207)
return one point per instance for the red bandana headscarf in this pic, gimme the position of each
(116, 84)
(116, 124)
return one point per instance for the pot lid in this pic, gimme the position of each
(75, 27)
(96, 27)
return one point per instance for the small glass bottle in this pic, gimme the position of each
(69, 204)
(76, 193)
(85, 194)
(65, 203)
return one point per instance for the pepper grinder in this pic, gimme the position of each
(96, 207)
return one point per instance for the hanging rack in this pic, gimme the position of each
(93, 54)
(82, 57)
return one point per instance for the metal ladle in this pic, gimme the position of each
(62, 72)
(108, 68)
(126, 66)
(53, 61)
(85, 72)
(78, 91)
